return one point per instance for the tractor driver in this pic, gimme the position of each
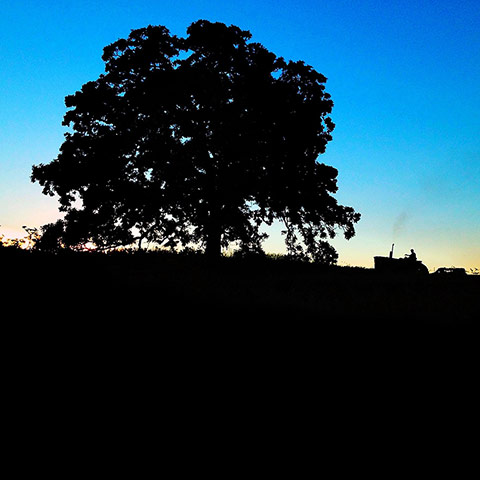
(412, 255)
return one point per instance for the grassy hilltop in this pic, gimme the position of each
(166, 285)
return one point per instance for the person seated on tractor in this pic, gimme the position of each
(412, 256)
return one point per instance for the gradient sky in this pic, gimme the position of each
(404, 76)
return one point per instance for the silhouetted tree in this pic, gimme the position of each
(198, 139)
(51, 238)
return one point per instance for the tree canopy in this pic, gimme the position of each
(198, 140)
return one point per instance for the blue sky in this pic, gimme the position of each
(404, 77)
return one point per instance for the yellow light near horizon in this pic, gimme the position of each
(90, 246)
(8, 235)
(12, 233)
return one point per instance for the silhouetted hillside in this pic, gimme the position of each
(169, 286)
(159, 319)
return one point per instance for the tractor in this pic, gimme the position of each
(407, 264)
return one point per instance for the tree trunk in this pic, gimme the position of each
(213, 248)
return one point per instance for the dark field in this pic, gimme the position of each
(149, 317)
(166, 286)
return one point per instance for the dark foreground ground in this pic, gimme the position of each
(152, 324)
(169, 288)
(148, 348)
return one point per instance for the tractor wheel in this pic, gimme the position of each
(421, 268)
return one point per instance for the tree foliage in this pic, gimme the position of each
(201, 139)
